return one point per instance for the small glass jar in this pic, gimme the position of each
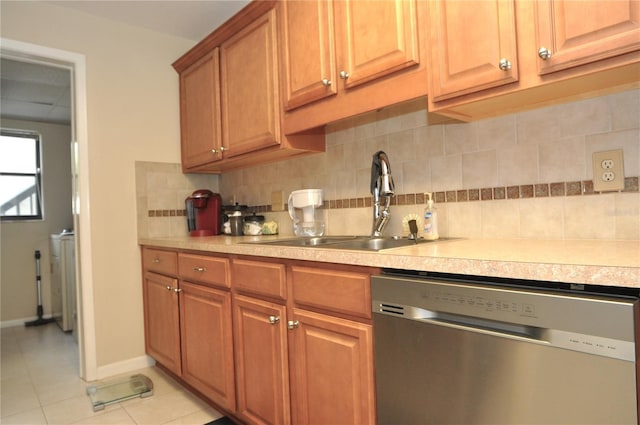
(253, 224)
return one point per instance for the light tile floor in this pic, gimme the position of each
(40, 385)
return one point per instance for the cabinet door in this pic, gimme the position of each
(201, 134)
(472, 46)
(375, 38)
(250, 89)
(580, 32)
(308, 54)
(262, 374)
(162, 320)
(331, 364)
(207, 342)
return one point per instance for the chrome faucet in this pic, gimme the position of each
(381, 186)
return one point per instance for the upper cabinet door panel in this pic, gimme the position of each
(250, 97)
(308, 51)
(200, 110)
(473, 46)
(376, 38)
(581, 32)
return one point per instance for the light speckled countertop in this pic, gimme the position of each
(610, 263)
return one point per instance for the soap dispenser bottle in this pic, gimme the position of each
(430, 227)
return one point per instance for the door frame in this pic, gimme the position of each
(76, 63)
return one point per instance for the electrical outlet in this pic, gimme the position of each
(608, 171)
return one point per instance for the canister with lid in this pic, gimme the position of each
(253, 224)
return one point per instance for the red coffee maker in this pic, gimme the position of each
(204, 213)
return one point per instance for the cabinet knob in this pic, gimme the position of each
(214, 151)
(292, 324)
(176, 290)
(274, 319)
(504, 64)
(222, 149)
(326, 82)
(344, 75)
(156, 260)
(199, 269)
(544, 53)
(169, 288)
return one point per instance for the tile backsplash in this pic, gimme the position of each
(525, 175)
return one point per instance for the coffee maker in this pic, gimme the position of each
(204, 213)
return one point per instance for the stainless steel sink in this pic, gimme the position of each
(357, 243)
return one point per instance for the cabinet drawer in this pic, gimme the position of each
(160, 261)
(205, 269)
(260, 278)
(339, 291)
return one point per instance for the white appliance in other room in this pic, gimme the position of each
(63, 280)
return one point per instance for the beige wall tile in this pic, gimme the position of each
(584, 117)
(625, 110)
(627, 213)
(479, 169)
(538, 126)
(562, 160)
(429, 142)
(542, 218)
(589, 217)
(460, 138)
(500, 219)
(446, 172)
(464, 219)
(518, 165)
(497, 132)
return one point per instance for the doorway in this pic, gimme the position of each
(76, 64)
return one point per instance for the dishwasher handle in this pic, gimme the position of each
(592, 344)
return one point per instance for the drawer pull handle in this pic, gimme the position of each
(274, 319)
(156, 260)
(199, 269)
(292, 324)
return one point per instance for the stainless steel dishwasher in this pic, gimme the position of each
(463, 350)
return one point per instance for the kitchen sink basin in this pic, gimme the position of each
(357, 243)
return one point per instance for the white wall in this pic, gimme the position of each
(20, 239)
(133, 114)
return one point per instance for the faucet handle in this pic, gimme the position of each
(413, 230)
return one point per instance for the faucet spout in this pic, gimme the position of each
(381, 186)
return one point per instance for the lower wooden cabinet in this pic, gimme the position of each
(331, 365)
(261, 361)
(207, 342)
(267, 341)
(162, 320)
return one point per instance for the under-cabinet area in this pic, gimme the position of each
(268, 341)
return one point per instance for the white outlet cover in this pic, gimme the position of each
(608, 171)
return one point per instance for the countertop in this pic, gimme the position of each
(609, 263)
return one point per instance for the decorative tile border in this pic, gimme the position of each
(541, 190)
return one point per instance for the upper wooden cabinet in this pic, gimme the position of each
(503, 56)
(231, 113)
(200, 112)
(571, 33)
(473, 46)
(362, 55)
(250, 101)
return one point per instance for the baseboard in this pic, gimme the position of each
(124, 366)
(20, 322)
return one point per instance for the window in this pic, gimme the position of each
(20, 184)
